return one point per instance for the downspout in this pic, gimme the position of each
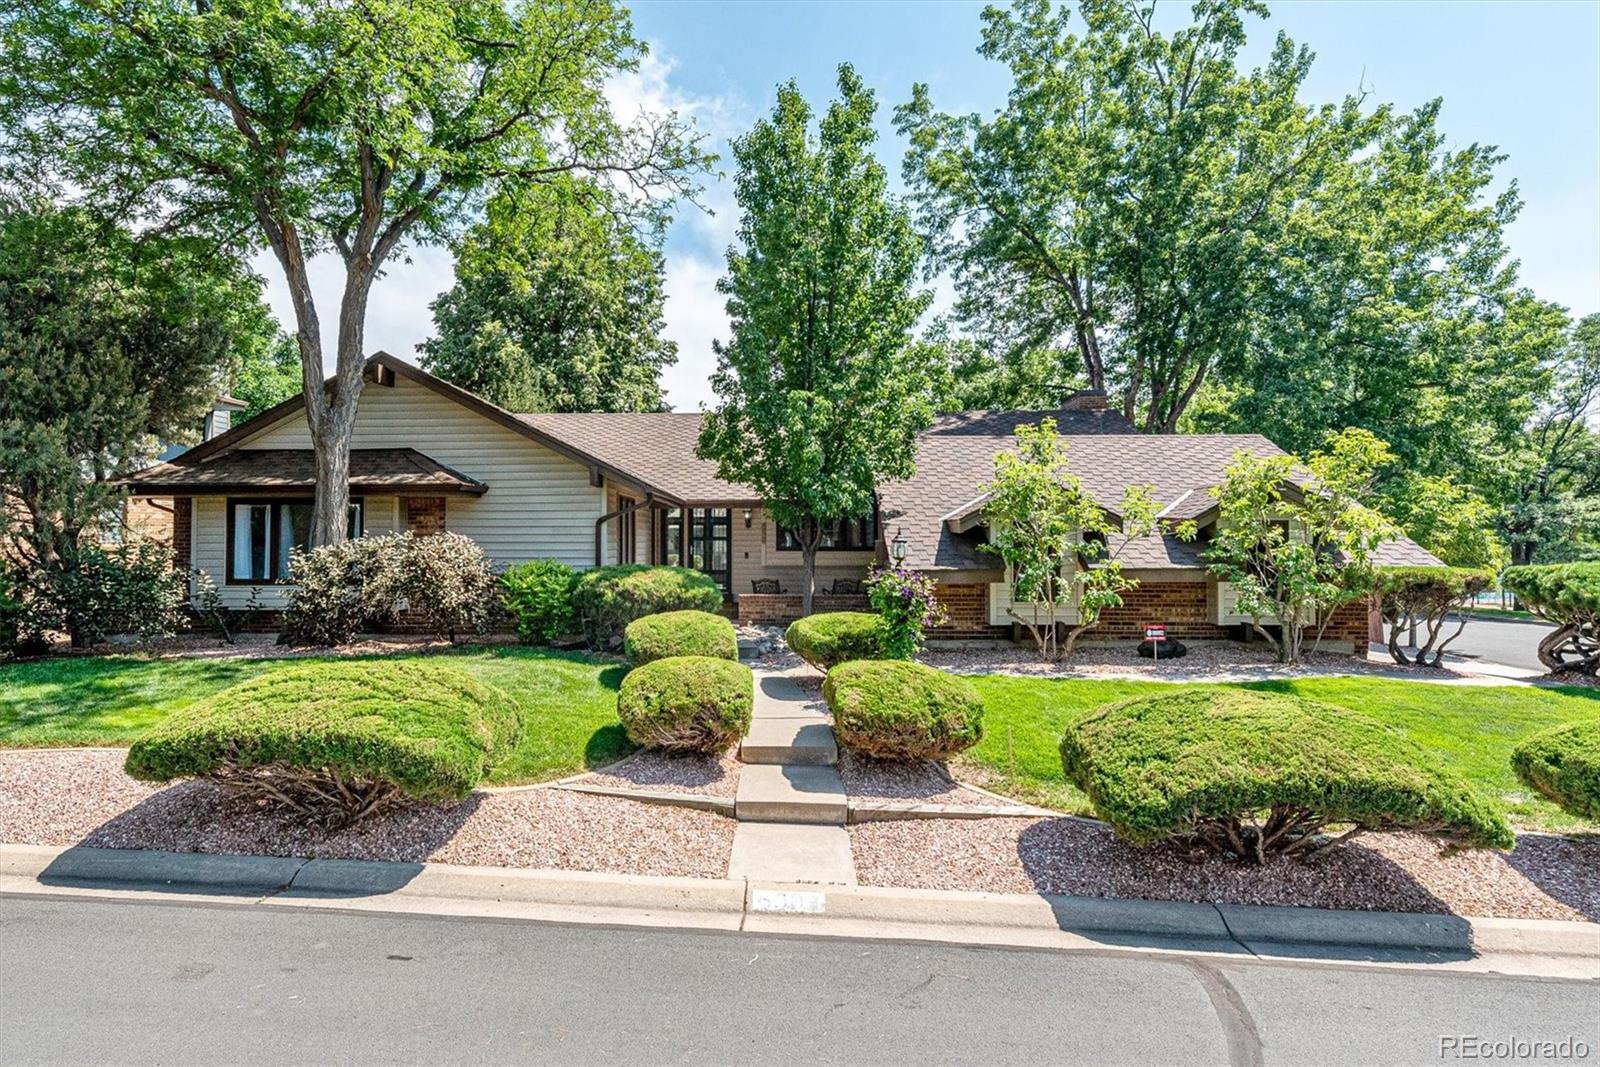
(627, 509)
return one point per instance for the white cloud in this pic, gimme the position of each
(695, 317)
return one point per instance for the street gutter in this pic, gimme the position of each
(1516, 946)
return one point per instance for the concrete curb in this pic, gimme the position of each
(1570, 949)
(697, 801)
(889, 810)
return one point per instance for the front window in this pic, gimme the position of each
(262, 534)
(849, 535)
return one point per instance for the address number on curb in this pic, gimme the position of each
(788, 901)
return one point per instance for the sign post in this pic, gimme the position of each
(1155, 633)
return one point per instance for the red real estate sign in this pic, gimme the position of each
(1155, 631)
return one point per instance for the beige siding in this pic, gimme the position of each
(612, 531)
(539, 503)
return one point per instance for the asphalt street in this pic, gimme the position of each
(97, 981)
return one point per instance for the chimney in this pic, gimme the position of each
(1085, 400)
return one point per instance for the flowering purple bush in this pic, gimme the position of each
(904, 601)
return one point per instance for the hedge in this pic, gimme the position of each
(1563, 763)
(607, 599)
(538, 596)
(680, 633)
(834, 637)
(895, 709)
(1246, 773)
(1568, 594)
(687, 704)
(337, 741)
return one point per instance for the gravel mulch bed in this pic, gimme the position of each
(921, 783)
(82, 797)
(1546, 878)
(652, 771)
(1218, 662)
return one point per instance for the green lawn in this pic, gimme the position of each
(1469, 728)
(568, 701)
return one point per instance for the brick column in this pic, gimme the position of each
(182, 527)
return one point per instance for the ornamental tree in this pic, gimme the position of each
(1429, 595)
(1042, 523)
(1568, 594)
(821, 395)
(1295, 548)
(355, 129)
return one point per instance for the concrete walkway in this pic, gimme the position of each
(791, 803)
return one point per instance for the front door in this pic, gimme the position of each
(708, 532)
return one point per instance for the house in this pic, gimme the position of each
(151, 518)
(593, 489)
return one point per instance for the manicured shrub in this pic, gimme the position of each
(337, 591)
(835, 637)
(680, 633)
(446, 581)
(1246, 773)
(904, 601)
(1568, 594)
(538, 595)
(337, 742)
(1563, 763)
(687, 703)
(894, 709)
(607, 599)
(1426, 595)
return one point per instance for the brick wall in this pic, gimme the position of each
(967, 608)
(780, 609)
(424, 514)
(182, 532)
(1180, 605)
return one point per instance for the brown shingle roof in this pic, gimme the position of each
(657, 449)
(955, 459)
(277, 469)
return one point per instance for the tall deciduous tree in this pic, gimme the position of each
(356, 128)
(557, 304)
(821, 395)
(1189, 230)
(107, 344)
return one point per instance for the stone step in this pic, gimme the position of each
(798, 794)
(790, 741)
(778, 697)
(784, 852)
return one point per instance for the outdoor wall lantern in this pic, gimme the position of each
(747, 518)
(898, 547)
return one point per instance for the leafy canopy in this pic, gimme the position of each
(820, 398)
(557, 304)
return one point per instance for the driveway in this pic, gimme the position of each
(92, 981)
(1514, 642)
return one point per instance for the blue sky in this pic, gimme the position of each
(1524, 76)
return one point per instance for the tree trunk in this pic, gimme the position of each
(330, 522)
(810, 535)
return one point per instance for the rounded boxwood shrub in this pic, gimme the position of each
(1245, 774)
(687, 703)
(607, 599)
(1563, 763)
(337, 741)
(680, 633)
(895, 709)
(834, 637)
